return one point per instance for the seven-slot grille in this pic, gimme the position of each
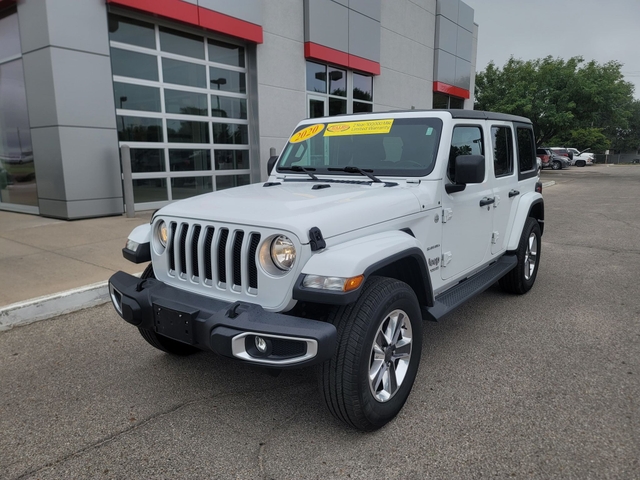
(213, 255)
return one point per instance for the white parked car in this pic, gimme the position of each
(367, 225)
(581, 159)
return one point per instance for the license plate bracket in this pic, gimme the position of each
(174, 324)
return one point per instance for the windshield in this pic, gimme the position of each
(396, 147)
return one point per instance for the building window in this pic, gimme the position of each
(335, 91)
(181, 105)
(17, 171)
(441, 100)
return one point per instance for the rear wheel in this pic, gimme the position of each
(522, 277)
(165, 344)
(370, 376)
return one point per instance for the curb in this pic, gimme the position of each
(49, 306)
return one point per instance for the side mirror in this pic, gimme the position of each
(470, 169)
(271, 163)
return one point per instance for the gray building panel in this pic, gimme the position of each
(327, 23)
(48, 162)
(78, 25)
(445, 67)
(287, 74)
(463, 74)
(100, 207)
(247, 10)
(369, 8)
(39, 84)
(419, 25)
(342, 2)
(284, 20)
(91, 167)
(446, 35)
(449, 9)
(464, 47)
(428, 5)
(53, 208)
(465, 17)
(364, 36)
(83, 89)
(34, 25)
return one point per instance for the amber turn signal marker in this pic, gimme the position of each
(353, 283)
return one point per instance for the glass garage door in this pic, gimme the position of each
(181, 105)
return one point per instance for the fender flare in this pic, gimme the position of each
(141, 238)
(365, 256)
(527, 203)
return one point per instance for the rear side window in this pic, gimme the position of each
(502, 151)
(526, 149)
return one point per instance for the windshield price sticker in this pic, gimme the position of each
(306, 133)
(368, 127)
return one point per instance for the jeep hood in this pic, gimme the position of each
(296, 207)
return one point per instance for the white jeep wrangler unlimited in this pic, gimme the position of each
(367, 225)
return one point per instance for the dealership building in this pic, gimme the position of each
(201, 90)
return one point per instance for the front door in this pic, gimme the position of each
(467, 226)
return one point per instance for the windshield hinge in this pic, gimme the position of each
(447, 213)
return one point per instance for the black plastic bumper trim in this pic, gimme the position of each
(216, 322)
(141, 255)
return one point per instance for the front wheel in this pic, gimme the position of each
(369, 378)
(160, 342)
(522, 277)
(556, 165)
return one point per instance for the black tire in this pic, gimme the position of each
(580, 163)
(521, 278)
(344, 379)
(556, 165)
(160, 342)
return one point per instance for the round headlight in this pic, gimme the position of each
(283, 253)
(163, 233)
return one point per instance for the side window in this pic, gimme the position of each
(526, 149)
(502, 151)
(466, 140)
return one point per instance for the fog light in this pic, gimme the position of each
(261, 344)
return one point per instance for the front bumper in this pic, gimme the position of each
(228, 329)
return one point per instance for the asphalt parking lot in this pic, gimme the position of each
(546, 385)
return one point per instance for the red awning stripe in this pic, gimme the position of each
(315, 51)
(450, 90)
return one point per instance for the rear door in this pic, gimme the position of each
(505, 184)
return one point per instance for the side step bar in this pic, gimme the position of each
(454, 297)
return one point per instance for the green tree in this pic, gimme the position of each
(560, 97)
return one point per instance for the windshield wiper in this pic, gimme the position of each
(298, 168)
(362, 171)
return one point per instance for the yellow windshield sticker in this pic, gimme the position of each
(366, 127)
(306, 133)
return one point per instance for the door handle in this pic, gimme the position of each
(513, 193)
(487, 201)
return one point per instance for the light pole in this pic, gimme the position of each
(218, 82)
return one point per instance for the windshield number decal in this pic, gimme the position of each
(306, 133)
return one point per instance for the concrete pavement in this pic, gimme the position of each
(57, 259)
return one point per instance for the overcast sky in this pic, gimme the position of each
(528, 29)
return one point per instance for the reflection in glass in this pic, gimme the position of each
(455, 102)
(359, 107)
(9, 36)
(228, 107)
(189, 160)
(440, 100)
(230, 133)
(134, 64)
(139, 129)
(136, 97)
(17, 171)
(316, 108)
(147, 160)
(230, 181)
(227, 81)
(185, 187)
(337, 82)
(220, 52)
(150, 190)
(184, 73)
(362, 87)
(231, 159)
(133, 32)
(316, 78)
(337, 106)
(184, 131)
(186, 103)
(181, 43)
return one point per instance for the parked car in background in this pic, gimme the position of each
(552, 160)
(562, 151)
(544, 154)
(581, 159)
